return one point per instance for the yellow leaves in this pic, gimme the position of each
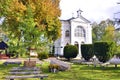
(33, 7)
(17, 6)
(50, 7)
(16, 10)
(110, 28)
(41, 14)
(109, 33)
(18, 18)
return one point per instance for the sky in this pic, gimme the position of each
(1, 20)
(93, 10)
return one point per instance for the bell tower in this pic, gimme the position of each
(79, 13)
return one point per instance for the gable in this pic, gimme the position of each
(80, 19)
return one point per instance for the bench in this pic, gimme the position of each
(6, 63)
(25, 72)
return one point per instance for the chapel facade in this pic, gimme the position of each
(74, 31)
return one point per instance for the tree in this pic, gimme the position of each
(105, 31)
(117, 40)
(99, 30)
(95, 32)
(117, 37)
(109, 33)
(31, 22)
(104, 51)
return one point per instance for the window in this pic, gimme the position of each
(67, 33)
(79, 31)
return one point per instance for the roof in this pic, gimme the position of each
(3, 45)
(81, 17)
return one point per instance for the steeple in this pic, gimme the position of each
(79, 13)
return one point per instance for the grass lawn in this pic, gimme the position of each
(77, 72)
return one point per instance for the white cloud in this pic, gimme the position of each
(92, 9)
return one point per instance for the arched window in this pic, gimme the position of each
(79, 31)
(67, 33)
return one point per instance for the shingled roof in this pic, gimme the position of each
(3, 45)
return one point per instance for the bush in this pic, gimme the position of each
(104, 50)
(70, 51)
(42, 55)
(53, 68)
(10, 55)
(51, 55)
(117, 51)
(87, 51)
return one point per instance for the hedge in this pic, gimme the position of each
(104, 50)
(87, 51)
(70, 51)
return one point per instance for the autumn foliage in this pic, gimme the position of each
(30, 23)
(45, 14)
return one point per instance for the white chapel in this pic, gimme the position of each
(75, 31)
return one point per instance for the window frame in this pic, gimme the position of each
(79, 31)
(67, 33)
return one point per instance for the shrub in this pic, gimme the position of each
(70, 51)
(51, 55)
(53, 67)
(117, 51)
(87, 51)
(104, 50)
(42, 55)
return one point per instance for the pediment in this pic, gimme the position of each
(80, 19)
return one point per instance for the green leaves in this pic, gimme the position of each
(103, 31)
(27, 21)
(109, 33)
